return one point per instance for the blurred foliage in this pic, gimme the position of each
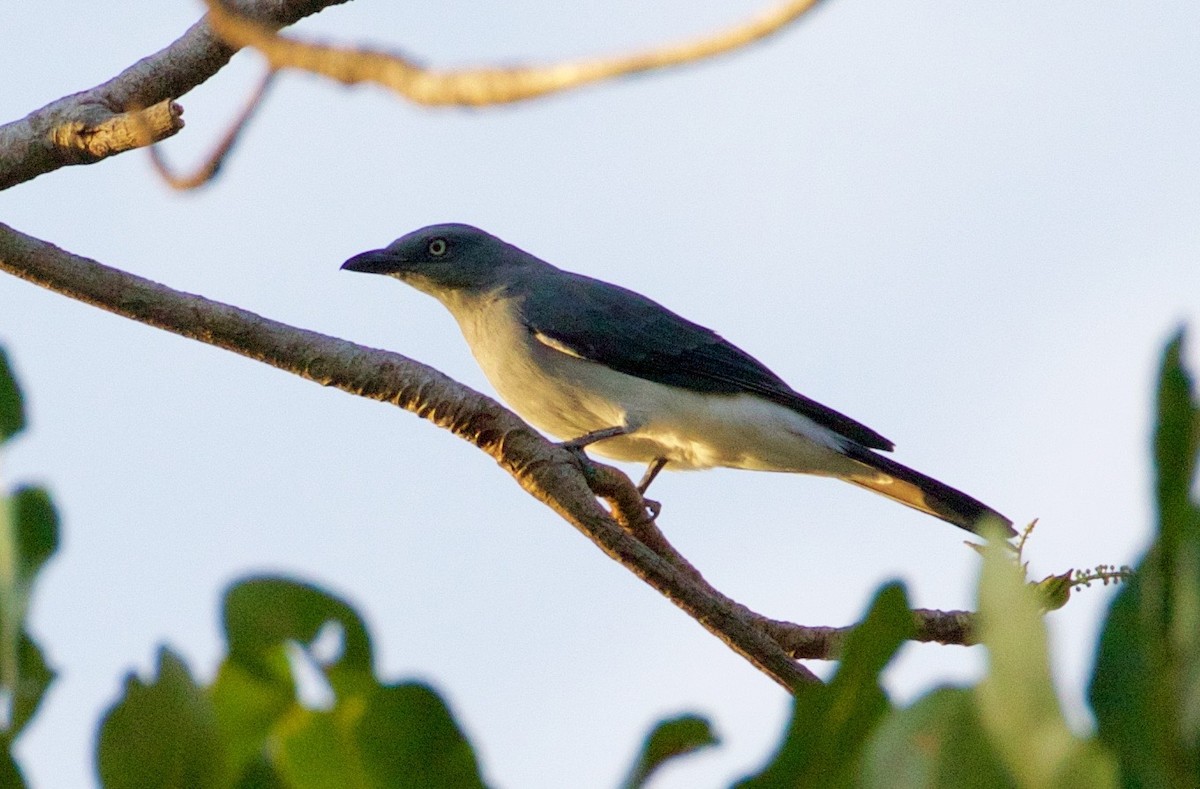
(28, 538)
(296, 703)
(252, 727)
(668, 739)
(1146, 688)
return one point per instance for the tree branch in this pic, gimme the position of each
(134, 108)
(548, 472)
(484, 86)
(802, 642)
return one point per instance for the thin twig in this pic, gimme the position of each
(483, 86)
(209, 168)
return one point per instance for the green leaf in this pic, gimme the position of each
(37, 530)
(1055, 590)
(12, 410)
(831, 723)
(162, 734)
(259, 774)
(34, 679)
(1017, 704)
(28, 538)
(1176, 442)
(10, 771)
(248, 706)
(317, 751)
(374, 736)
(264, 613)
(398, 737)
(1146, 687)
(408, 738)
(669, 739)
(937, 743)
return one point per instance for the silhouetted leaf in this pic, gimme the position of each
(1146, 687)
(161, 735)
(397, 737)
(10, 772)
(12, 410)
(34, 677)
(37, 530)
(830, 723)
(28, 538)
(262, 614)
(669, 739)
(374, 736)
(408, 738)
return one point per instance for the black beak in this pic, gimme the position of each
(377, 261)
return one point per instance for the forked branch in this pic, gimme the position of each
(137, 108)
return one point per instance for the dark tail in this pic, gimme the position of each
(903, 484)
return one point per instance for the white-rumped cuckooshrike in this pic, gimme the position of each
(608, 369)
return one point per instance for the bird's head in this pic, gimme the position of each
(443, 259)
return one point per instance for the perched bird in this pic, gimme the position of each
(609, 369)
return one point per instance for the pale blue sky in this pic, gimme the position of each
(969, 225)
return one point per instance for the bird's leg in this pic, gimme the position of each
(594, 436)
(652, 470)
(576, 445)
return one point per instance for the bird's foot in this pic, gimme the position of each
(653, 508)
(585, 462)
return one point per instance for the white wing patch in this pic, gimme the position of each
(550, 342)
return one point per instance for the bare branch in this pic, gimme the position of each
(802, 642)
(209, 168)
(548, 472)
(952, 628)
(86, 127)
(484, 86)
(111, 118)
(117, 133)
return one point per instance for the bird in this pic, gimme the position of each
(607, 369)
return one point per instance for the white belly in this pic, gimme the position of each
(568, 396)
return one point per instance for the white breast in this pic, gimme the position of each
(568, 396)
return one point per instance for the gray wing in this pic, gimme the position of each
(636, 336)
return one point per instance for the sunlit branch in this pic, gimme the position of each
(483, 86)
(209, 168)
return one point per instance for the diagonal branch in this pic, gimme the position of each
(548, 472)
(484, 86)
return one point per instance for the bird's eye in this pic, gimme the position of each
(437, 247)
